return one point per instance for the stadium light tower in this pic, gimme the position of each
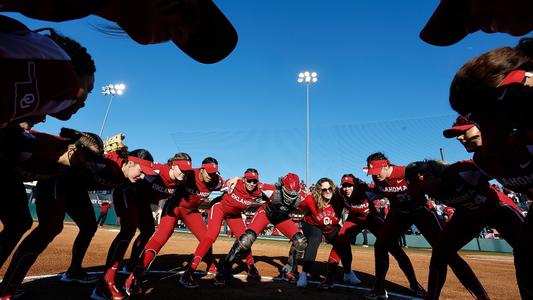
(111, 90)
(308, 78)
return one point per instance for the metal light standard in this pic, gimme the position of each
(307, 78)
(111, 90)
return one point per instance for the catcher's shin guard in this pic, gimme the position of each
(241, 246)
(298, 245)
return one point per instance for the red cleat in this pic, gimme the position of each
(107, 291)
(132, 285)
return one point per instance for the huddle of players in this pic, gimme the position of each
(493, 91)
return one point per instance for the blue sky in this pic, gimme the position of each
(380, 88)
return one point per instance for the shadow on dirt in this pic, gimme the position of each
(165, 285)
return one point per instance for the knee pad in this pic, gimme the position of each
(247, 239)
(299, 242)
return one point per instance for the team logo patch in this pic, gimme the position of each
(26, 94)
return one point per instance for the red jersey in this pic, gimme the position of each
(359, 207)
(513, 169)
(322, 218)
(394, 188)
(239, 199)
(196, 191)
(36, 76)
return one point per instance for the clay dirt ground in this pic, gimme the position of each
(496, 272)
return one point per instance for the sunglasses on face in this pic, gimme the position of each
(251, 181)
(347, 185)
(329, 189)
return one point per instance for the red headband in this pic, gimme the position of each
(146, 165)
(183, 164)
(251, 175)
(347, 179)
(210, 168)
(375, 166)
(516, 76)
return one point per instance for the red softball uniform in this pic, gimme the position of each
(278, 214)
(360, 208)
(260, 221)
(230, 208)
(197, 191)
(325, 218)
(239, 199)
(183, 205)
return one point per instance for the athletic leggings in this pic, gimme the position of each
(14, 213)
(53, 197)
(314, 238)
(134, 212)
(374, 224)
(426, 221)
(172, 212)
(462, 228)
(524, 258)
(216, 215)
(261, 221)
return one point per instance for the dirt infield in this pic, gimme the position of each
(496, 272)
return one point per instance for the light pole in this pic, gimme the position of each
(307, 78)
(111, 90)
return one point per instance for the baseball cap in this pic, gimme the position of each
(447, 25)
(146, 166)
(210, 168)
(347, 179)
(375, 166)
(460, 125)
(183, 164)
(249, 175)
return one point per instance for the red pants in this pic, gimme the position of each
(260, 222)
(216, 215)
(171, 214)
